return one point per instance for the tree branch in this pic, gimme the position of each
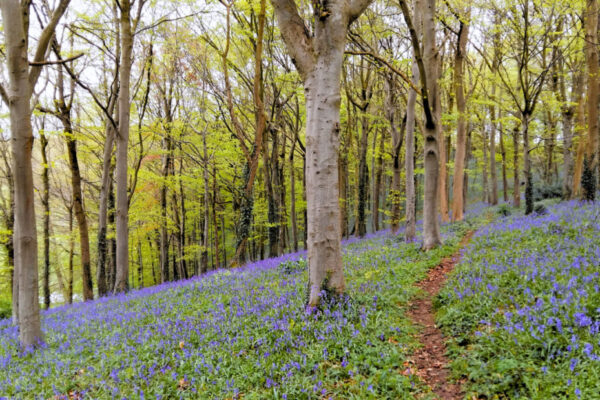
(44, 41)
(61, 61)
(295, 35)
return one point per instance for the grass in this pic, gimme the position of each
(523, 307)
(237, 334)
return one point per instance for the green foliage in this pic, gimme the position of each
(504, 210)
(543, 191)
(5, 308)
(522, 308)
(292, 267)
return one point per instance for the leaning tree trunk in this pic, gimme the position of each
(122, 212)
(84, 239)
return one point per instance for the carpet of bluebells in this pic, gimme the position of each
(523, 307)
(232, 334)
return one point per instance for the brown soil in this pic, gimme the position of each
(430, 362)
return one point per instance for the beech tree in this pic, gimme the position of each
(318, 56)
(23, 76)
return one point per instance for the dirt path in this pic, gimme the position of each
(430, 361)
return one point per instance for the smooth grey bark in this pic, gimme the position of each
(409, 158)
(458, 200)
(318, 59)
(22, 80)
(122, 142)
(431, 228)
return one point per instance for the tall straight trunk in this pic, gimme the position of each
(396, 136)
(458, 200)
(71, 256)
(84, 239)
(22, 80)
(504, 178)
(102, 243)
(493, 176)
(568, 114)
(164, 234)
(122, 211)
(516, 181)
(293, 216)
(206, 232)
(466, 175)
(431, 228)
(343, 166)
(580, 129)
(270, 173)
(281, 189)
(443, 183)
(215, 194)
(112, 242)
(104, 287)
(9, 222)
(252, 155)
(363, 177)
(484, 172)
(140, 265)
(550, 124)
(591, 53)
(319, 60)
(46, 205)
(409, 157)
(525, 118)
(377, 183)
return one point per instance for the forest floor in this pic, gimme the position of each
(517, 304)
(431, 363)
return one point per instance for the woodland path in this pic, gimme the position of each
(430, 362)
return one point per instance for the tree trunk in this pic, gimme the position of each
(166, 169)
(458, 200)
(24, 232)
(431, 229)
(591, 53)
(84, 240)
(517, 181)
(46, 205)
(409, 157)
(484, 172)
(493, 177)
(122, 211)
(527, 165)
(363, 177)
(215, 194)
(102, 245)
(293, 216)
(71, 255)
(377, 183)
(504, 178)
(396, 135)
